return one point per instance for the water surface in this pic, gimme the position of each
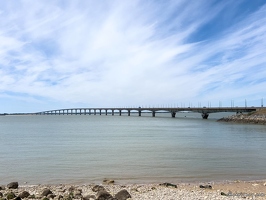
(85, 149)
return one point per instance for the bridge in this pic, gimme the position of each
(205, 111)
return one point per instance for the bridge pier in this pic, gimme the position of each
(94, 111)
(100, 112)
(205, 115)
(106, 112)
(139, 113)
(128, 112)
(153, 113)
(120, 112)
(113, 112)
(173, 114)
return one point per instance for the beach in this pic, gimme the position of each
(164, 191)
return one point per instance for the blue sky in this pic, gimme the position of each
(86, 53)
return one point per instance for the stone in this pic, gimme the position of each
(122, 195)
(12, 185)
(17, 198)
(98, 188)
(32, 196)
(46, 192)
(108, 181)
(51, 196)
(24, 194)
(206, 186)
(10, 195)
(2, 187)
(223, 194)
(77, 194)
(103, 195)
(1, 194)
(168, 185)
(89, 197)
(71, 189)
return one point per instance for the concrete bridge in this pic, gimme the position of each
(172, 110)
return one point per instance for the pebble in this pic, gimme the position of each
(119, 192)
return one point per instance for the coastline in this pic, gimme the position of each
(257, 117)
(167, 191)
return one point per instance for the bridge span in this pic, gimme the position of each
(172, 110)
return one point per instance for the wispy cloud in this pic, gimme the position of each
(116, 53)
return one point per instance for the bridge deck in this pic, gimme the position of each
(173, 110)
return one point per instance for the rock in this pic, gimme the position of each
(10, 195)
(223, 194)
(51, 196)
(77, 192)
(46, 192)
(168, 185)
(59, 197)
(12, 185)
(264, 184)
(71, 189)
(123, 195)
(1, 194)
(89, 197)
(24, 194)
(2, 187)
(98, 188)
(103, 195)
(17, 198)
(206, 186)
(108, 181)
(32, 196)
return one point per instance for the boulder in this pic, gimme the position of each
(98, 188)
(24, 194)
(10, 195)
(46, 192)
(1, 194)
(12, 185)
(122, 195)
(2, 187)
(103, 195)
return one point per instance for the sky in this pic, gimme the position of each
(58, 54)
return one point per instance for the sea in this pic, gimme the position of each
(83, 149)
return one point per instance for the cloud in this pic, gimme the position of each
(115, 53)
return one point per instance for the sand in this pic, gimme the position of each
(230, 190)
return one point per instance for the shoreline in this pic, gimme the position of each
(257, 117)
(255, 189)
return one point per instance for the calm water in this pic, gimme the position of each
(85, 149)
